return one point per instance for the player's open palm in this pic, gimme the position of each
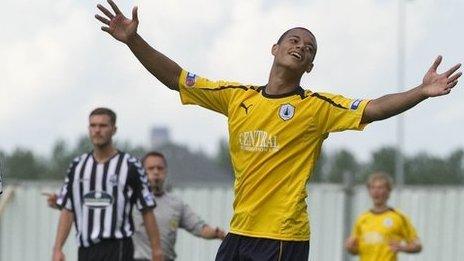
(117, 25)
(436, 84)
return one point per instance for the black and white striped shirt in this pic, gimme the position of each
(102, 195)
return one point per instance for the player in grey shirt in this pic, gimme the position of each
(171, 213)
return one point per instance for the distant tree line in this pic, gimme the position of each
(421, 168)
(24, 164)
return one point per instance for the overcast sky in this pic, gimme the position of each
(57, 65)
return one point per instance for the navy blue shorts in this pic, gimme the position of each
(108, 250)
(242, 248)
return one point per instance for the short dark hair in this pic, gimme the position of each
(105, 111)
(281, 38)
(154, 153)
(380, 175)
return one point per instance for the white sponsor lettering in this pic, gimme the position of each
(258, 141)
(373, 238)
(97, 199)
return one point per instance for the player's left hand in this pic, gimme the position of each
(436, 84)
(220, 234)
(398, 246)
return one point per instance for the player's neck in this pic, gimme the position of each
(103, 153)
(282, 81)
(380, 208)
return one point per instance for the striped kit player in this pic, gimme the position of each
(99, 192)
(101, 196)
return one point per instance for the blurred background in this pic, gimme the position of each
(57, 66)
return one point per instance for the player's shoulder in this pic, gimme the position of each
(336, 100)
(399, 213)
(366, 215)
(260, 91)
(83, 156)
(76, 160)
(80, 158)
(132, 160)
(240, 89)
(125, 156)
(326, 96)
(310, 95)
(193, 80)
(173, 198)
(236, 85)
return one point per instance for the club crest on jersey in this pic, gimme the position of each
(388, 222)
(286, 112)
(97, 199)
(355, 104)
(190, 79)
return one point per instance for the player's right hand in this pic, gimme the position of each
(220, 234)
(117, 25)
(351, 244)
(58, 255)
(51, 199)
(157, 255)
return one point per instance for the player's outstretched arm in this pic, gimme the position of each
(125, 30)
(434, 84)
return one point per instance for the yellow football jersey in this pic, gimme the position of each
(375, 231)
(274, 143)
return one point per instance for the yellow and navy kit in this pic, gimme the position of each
(274, 143)
(375, 231)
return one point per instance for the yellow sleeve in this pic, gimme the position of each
(356, 231)
(337, 113)
(213, 95)
(409, 232)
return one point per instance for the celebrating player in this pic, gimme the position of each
(275, 133)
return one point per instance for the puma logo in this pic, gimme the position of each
(242, 105)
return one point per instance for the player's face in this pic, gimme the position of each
(156, 172)
(296, 51)
(101, 130)
(379, 192)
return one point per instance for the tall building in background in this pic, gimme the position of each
(159, 136)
